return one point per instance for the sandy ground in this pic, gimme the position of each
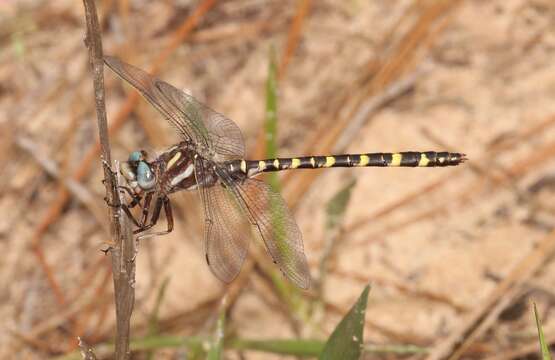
(437, 245)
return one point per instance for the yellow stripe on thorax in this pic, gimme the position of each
(243, 166)
(173, 160)
(330, 160)
(396, 159)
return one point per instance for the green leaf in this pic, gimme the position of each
(335, 209)
(336, 206)
(346, 340)
(543, 345)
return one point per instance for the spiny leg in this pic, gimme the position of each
(146, 209)
(169, 217)
(155, 214)
(136, 198)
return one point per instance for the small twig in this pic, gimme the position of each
(294, 35)
(79, 191)
(372, 104)
(123, 268)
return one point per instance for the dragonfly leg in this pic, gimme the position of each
(130, 215)
(146, 209)
(165, 202)
(136, 198)
(161, 201)
(169, 215)
(155, 214)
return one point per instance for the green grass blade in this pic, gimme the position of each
(18, 44)
(287, 292)
(346, 340)
(271, 122)
(217, 343)
(283, 346)
(543, 344)
(153, 320)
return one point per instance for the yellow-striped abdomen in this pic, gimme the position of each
(330, 160)
(396, 159)
(364, 160)
(424, 161)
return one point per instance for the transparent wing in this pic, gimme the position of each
(277, 227)
(227, 230)
(267, 212)
(233, 208)
(216, 136)
(219, 133)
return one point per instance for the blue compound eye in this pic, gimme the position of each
(145, 176)
(135, 156)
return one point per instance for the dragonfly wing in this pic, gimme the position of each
(221, 134)
(226, 231)
(271, 217)
(215, 134)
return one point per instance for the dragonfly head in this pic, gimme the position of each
(137, 172)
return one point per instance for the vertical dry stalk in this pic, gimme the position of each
(122, 251)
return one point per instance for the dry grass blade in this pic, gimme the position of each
(486, 314)
(294, 35)
(523, 352)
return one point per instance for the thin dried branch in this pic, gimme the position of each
(294, 35)
(122, 250)
(80, 192)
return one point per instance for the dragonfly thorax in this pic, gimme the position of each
(138, 173)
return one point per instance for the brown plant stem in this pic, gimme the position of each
(122, 250)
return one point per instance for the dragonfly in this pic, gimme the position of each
(210, 158)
